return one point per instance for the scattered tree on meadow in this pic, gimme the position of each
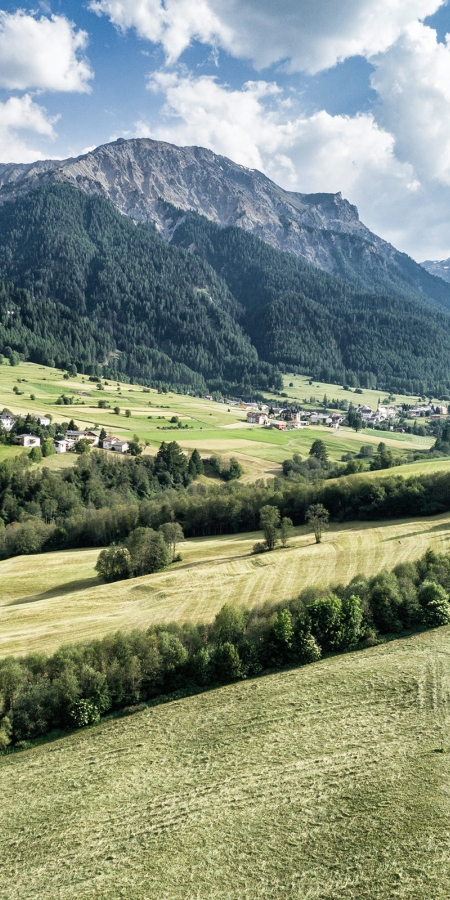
(286, 529)
(319, 450)
(173, 534)
(269, 518)
(317, 517)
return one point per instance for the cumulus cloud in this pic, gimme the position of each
(174, 23)
(19, 118)
(308, 36)
(412, 80)
(42, 53)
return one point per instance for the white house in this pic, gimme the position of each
(91, 436)
(114, 443)
(62, 446)
(7, 419)
(43, 420)
(254, 417)
(28, 440)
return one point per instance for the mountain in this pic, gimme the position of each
(92, 288)
(322, 229)
(216, 307)
(439, 268)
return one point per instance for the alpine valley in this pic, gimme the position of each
(176, 266)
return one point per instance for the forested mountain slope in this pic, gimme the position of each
(303, 318)
(214, 308)
(148, 309)
(323, 229)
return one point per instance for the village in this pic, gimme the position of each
(257, 414)
(288, 419)
(62, 444)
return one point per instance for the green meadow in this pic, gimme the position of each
(211, 427)
(52, 598)
(328, 782)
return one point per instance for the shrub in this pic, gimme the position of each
(435, 604)
(83, 713)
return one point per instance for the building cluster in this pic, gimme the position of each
(66, 443)
(285, 418)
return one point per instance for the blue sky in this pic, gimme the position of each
(351, 95)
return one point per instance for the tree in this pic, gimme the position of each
(83, 446)
(230, 622)
(134, 446)
(114, 564)
(319, 450)
(172, 533)
(435, 604)
(286, 529)
(35, 454)
(227, 663)
(197, 461)
(117, 410)
(128, 413)
(317, 517)
(48, 447)
(269, 518)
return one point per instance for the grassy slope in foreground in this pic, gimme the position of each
(321, 783)
(54, 598)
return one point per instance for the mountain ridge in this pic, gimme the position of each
(140, 175)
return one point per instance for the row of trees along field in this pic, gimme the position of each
(101, 500)
(80, 683)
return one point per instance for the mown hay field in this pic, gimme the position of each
(326, 782)
(55, 598)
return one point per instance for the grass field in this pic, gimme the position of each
(321, 783)
(53, 598)
(212, 427)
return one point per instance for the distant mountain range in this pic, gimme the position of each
(322, 229)
(440, 268)
(176, 266)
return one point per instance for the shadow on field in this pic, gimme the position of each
(411, 534)
(60, 590)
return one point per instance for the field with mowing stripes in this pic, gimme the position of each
(53, 598)
(321, 783)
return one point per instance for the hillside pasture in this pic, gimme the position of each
(54, 598)
(211, 427)
(328, 782)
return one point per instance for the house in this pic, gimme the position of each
(43, 420)
(290, 415)
(256, 418)
(63, 445)
(114, 443)
(90, 436)
(7, 419)
(281, 426)
(28, 440)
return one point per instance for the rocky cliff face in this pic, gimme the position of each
(324, 229)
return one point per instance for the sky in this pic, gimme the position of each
(330, 95)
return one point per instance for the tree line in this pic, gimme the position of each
(101, 500)
(79, 683)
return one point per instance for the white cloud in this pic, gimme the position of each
(311, 36)
(413, 84)
(174, 23)
(19, 115)
(42, 53)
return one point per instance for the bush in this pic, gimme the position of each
(83, 713)
(435, 604)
